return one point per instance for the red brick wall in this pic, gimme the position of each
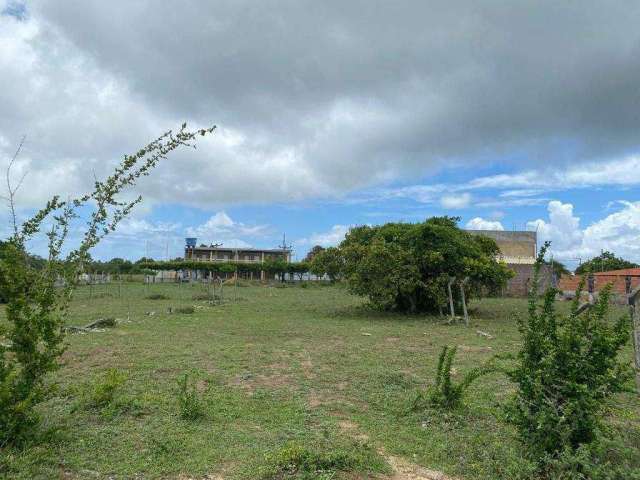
(518, 286)
(570, 283)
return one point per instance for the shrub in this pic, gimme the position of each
(445, 393)
(36, 303)
(189, 403)
(567, 367)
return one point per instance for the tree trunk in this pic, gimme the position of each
(453, 312)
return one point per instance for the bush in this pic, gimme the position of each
(189, 403)
(37, 303)
(567, 367)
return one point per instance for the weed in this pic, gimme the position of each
(446, 394)
(189, 402)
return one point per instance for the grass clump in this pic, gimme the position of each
(106, 395)
(189, 403)
(185, 310)
(295, 461)
(157, 296)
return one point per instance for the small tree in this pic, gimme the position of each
(567, 366)
(37, 299)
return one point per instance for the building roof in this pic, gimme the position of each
(626, 272)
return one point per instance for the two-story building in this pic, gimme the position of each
(218, 253)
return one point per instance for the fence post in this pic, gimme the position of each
(464, 301)
(634, 307)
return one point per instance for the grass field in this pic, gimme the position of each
(283, 374)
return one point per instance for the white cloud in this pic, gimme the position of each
(479, 223)
(455, 201)
(326, 239)
(222, 228)
(562, 229)
(618, 232)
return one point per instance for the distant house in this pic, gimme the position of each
(518, 249)
(623, 282)
(216, 254)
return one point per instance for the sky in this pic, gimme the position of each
(509, 115)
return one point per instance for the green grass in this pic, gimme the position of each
(292, 383)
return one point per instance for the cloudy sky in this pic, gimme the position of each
(507, 114)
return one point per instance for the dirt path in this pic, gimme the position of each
(402, 468)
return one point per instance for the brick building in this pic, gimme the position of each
(623, 282)
(518, 249)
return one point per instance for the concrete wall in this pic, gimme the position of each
(512, 244)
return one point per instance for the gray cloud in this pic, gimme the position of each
(317, 98)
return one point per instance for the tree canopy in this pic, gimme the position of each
(604, 262)
(406, 267)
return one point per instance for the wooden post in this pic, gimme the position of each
(453, 312)
(464, 301)
(634, 307)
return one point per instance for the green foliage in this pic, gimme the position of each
(446, 394)
(604, 262)
(38, 294)
(189, 403)
(328, 262)
(316, 249)
(406, 267)
(567, 366)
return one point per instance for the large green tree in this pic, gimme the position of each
(604, 262)
(406, 267)
(328, 261)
